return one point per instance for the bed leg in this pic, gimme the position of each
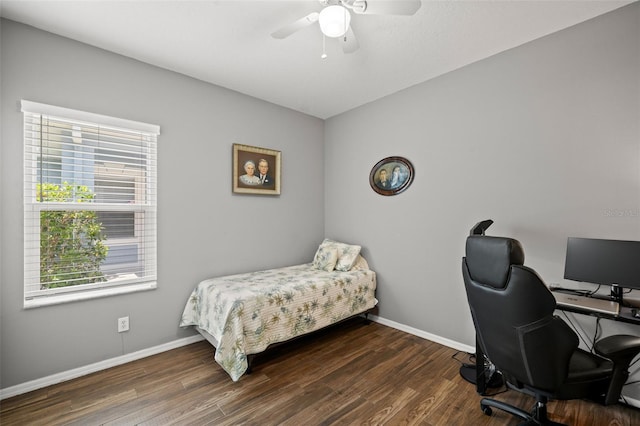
(367, 321)
(249, 364)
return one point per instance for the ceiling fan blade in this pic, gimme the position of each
(291, 28)
(387, 7)
(349, 42)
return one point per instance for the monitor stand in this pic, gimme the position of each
(616, 293)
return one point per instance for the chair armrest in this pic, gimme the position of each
(619, 348)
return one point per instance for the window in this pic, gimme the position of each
(89, 205)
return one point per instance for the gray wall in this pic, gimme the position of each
(544, 139)
(203, 229)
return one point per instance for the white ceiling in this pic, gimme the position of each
(228, 43)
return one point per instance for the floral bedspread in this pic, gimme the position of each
(245, 313)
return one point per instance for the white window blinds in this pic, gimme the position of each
(89, 201)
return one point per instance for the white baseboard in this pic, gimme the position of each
(631, 401)
(92, 368)
(432, 337)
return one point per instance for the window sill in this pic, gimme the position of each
(58, 299)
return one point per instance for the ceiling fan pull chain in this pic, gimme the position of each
(324, 47)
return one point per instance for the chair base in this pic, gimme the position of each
(538, 415)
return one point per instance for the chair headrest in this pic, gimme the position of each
(490, 258)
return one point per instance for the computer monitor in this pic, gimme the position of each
(609, 262)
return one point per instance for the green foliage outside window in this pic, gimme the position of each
(71, 242)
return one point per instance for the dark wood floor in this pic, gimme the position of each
(354, 374)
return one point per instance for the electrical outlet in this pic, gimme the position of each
(123, 324)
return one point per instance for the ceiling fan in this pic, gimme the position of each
(335, 18)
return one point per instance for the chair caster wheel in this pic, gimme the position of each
(486, 410)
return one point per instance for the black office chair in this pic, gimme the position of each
(536, 352)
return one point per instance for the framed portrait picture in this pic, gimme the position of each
(391, 175)
(256, 170)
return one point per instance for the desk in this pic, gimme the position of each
(625, 314)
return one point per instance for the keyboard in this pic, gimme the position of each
(587, 303)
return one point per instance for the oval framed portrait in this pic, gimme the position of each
(391, 175)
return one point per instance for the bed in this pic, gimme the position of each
(243, 314)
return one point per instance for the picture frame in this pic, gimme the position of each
(391, 175)
(248, 161)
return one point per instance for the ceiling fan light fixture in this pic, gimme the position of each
(334, 21)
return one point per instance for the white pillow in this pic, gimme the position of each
(360, 264)
(347, 253)
(325, 258)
